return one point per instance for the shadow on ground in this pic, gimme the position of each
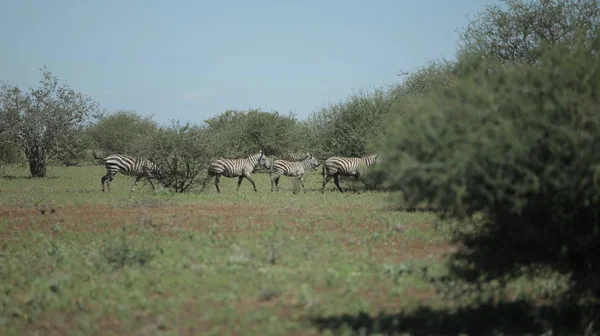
(517, 318)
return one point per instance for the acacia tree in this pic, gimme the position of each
(44, 122)
(519, 32)
(123, 132)
(245, 132)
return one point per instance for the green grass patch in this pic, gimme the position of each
(74, 260)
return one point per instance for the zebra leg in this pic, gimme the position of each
(273, 178)
(240, 178)
(108, 181)
(302, 183)
(204, 183)
(336, 179)
(217, 179)
(247, 176)
(152, 184)
(327, 178)
(103, 179)
(137, 179)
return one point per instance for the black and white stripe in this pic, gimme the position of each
(337, 166)
(131, 166)
(292, 169)
(239, 168)
(293, 156)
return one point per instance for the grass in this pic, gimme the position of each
(77, 261)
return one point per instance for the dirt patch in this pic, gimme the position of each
(229, 219)
(99, 218)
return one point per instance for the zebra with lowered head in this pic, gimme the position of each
(292, 169)
(337, 166)
(130, 166)
(239, 168)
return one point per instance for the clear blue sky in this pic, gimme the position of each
(191, 60)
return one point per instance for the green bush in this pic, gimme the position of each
(520, 146)
(183, 152)
(9, 152)
(347, 127)
(121, 132)
(242, 133)
(519, 31)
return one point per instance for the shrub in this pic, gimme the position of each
(183, 152)
(519, 146)
(519, 31)
(121, 132)
(242, 133)
(347, 127)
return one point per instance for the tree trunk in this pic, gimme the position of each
(37, 166)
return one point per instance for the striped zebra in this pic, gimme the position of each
(239, 168)
(345, 166)
(130, 166)
(292, 169)
(293, 156)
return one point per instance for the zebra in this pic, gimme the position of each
(337, 166)
(131, 166)
(293, 156)
(239, 168)
(292, 169)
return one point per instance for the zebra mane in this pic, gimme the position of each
(256, 156)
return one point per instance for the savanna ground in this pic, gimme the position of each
(74, 261)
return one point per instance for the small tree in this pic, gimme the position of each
(347, 127)
(520, 148)
(9, 153)
(242, 132)
(122, 132)
(183, 153)
(43, 122)
(519, 32)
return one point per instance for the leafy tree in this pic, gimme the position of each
(9, 153)
(183, 152)
(520, 31)
(122, 132)
(45, 121)
(245, 132)
(433, 76)
(518, 146)
(347, 127)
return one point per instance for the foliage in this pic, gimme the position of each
(9, 152)
(245, 132)
(183, 152)
(519, 32)
(425, 79)
(43, 122)
(518, 146)
(122, 132)
(345, 128)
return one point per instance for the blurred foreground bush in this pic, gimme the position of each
(520, 146)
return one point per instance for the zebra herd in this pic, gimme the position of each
(296, 166)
